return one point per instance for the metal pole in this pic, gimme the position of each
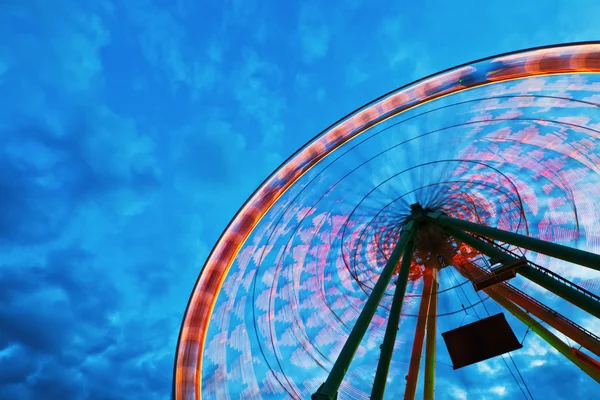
(541, 331)
(565, 253)
(557, 287)
(428, 393)
(387, 348)
(417, 350)
(329, 389)
(570, 294)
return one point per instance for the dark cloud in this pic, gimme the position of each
(60, 339)
(111, 183)
(63, 331)
(51, 170)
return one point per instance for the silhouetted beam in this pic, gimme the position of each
(557, 287)
(387, 348)
(417, 350)
(560, 289)
(428, 393)
(570, 254)
(539, 329)
(328, 390)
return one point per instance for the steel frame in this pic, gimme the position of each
(329, 389)
(513, 300)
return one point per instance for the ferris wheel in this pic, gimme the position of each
(440, 241)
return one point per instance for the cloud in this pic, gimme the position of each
(355, 75)
(401, 52)
(458, 393)
(111, 197)
(487, 368)
(80, 51)
(58, 303)
(192, 63)
(217, 144)
(499, 390)
(81, 193)
(313, 33)
(537, 363)
(71, 52)
(259, 95)
(48, 312)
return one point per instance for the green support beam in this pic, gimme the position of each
(428, 393)
(329, 389)
(565, 253)
(573, 296)
(417, 350)
(387, 348)
(557, 287)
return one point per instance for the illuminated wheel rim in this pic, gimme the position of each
(509, 141)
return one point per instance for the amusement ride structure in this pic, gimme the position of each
(440, 241)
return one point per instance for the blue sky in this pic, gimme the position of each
(131, 132)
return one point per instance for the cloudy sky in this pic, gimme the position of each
(132, 131)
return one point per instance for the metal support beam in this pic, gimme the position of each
(540, 330)
(428, 393)
(387, 348)
(565, 253)
(417, 350)
(329, 389)
(560, 289)
(557, 287)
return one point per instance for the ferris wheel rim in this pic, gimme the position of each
(426, 97)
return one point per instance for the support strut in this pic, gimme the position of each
(417, 350)
(328, 390)
(565, 253)
(428, 393)
(387, 348)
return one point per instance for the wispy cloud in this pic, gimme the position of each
(313, 33)
(499, 390)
